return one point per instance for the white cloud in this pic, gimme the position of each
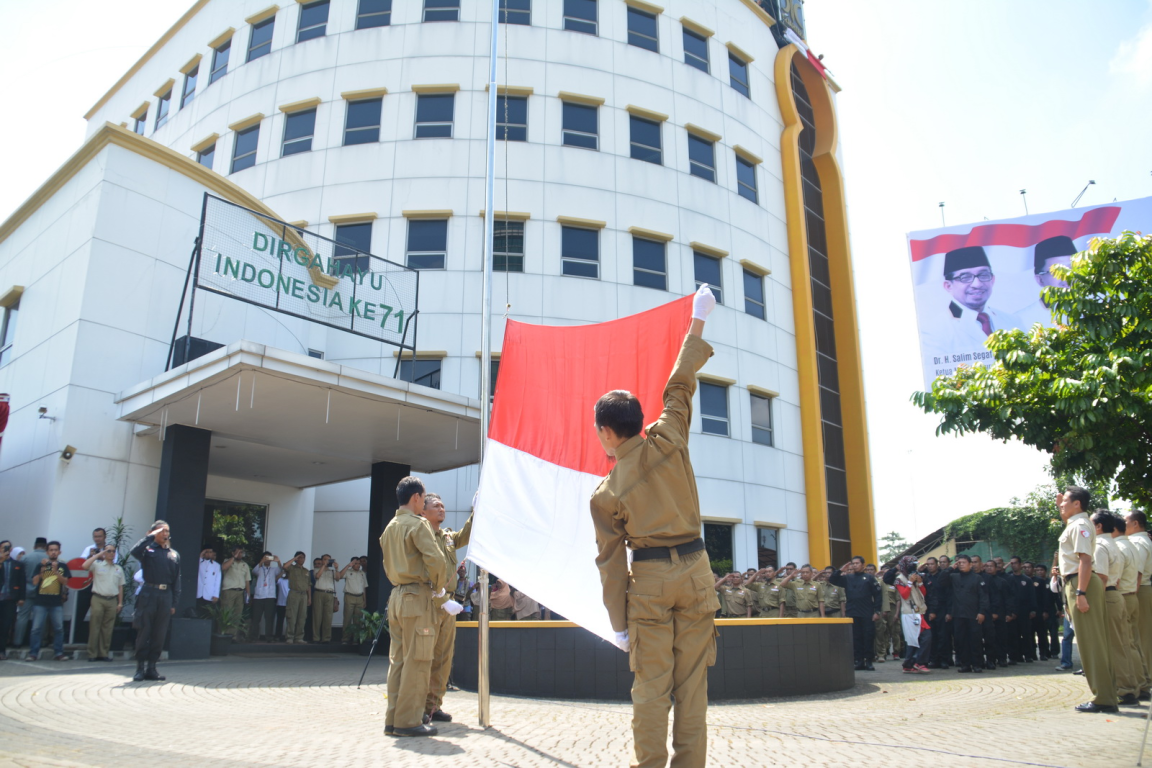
(1134, 57)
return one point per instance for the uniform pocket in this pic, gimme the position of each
(706, 599)
(710, 657)
(633, 648)
(414, 606)
(648, 587)
(425, 645)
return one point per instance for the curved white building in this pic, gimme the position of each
(644, 149)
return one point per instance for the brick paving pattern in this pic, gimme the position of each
(304, 711)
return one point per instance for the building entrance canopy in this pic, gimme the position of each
(289, 419)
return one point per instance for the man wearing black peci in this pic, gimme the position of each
(969, 609)
(157, 599)
(863, 599)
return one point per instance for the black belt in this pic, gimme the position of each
(157, 586)
(329, 591)
(665, 553)
(233, 589)
(1109, 589)
(106, 597)
(353, 594)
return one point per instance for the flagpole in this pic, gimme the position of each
(486, 353)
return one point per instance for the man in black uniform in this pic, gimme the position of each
(996, 626)
(863, 598)
(969, 608)
(934, 586)
(1047, 638)
(1025, 596)
(942, 647)
(157, 599)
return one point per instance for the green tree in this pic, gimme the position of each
(1081, 391)
(892, 546)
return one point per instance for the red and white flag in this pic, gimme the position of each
(4, 407)
(794, 38)
(533, 526)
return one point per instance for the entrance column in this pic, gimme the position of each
(180, 500)
(381, 509)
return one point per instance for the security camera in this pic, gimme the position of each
(44, 414)
(67, 454)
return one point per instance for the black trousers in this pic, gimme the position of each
(991, 649)
(153, 612)
(1052, 631)
(263, 618)
(7, 622)
(942, 641)
(863, 638)
(281, 613)
(1002, 639)
(968, 640)
(1039, 635)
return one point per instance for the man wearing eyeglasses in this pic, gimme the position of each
(969, 321)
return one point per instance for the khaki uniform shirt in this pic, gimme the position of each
(355, 582)
(237, 576)
(449, 541)
(107, 578)
(649, 498)
(771, 597)
(1107, 559)
(833, 597)
(757, 589)
(1079, 537)
(1143, 543)
(325, 580)
(411, 554)
(737, 600)
(1132, 557)
(298, 577)
(886, 594)
(809, 594)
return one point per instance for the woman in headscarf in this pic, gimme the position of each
(913, 607)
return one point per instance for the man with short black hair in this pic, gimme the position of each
(969, 610)
(107, 601)
(935, 586)
(235, 587)
(863, 599)
(1019, 629)
(207, 581)
(50, 580)
(1109, 562)
(264, 578)
(1136, 526)
(448, 541)
(158, 597)
(299, 598)
(968, 320)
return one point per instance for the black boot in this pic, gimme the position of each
(139, 676)
(152, 674)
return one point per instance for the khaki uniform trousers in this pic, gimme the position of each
(295, 616)
(322, 616)
(1120, 644)
(353, 615)
(233, 600)
(672, 606)
(100, 626)
(412, 629)
(1092, 638)
(1135, 654)
(808, 614)
(441, 659)
(896, 631)
(883, 636)
(1144, 640)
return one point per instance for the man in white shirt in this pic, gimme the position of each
(282, 591)
(355, 582)
(84, 596)
(1048, 253)
(99, 540)
(323, 600)
(107, 601)
(207, 580)
(265, 574)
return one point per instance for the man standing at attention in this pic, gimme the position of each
(1084, 598)
(449, 542)
(418, 571)
(969, 610)
(158, 597)
(1136, 526)
(663, 612)
(12, 584)
(323, 599)
(1109, 562)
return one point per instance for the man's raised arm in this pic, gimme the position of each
(676, 417)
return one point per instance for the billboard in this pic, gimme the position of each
(974, 279)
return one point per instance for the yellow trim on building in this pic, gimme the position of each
(427, 214)
(141, 111)
(752, 266)
(647, 114)
(710, 250)
(747, 155)
(640, 5)
(192, 64)
(299, 224)
(364, 94)
(509, 215)
(712, 519)
(579, 98)
(513, 90)
(11, 296)
(759, 12)
(494, 355)
(247, 122)
(862, 527)
(650, 234)
(353, 218)
(778, 622)
(431, 354)
(221, 38)
(166, 88)
(712, 378)
(572, 221)
(205, 142)
(260, 16)
(436, 88)
(762, 391)
(703, 133)
(300, 106)
(741, 54)
(696, 27)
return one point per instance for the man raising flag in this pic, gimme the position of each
(663, 610)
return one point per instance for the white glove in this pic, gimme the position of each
(475, 498)
(452, 607)
(622, 641)
(440, 593)
(703, 303)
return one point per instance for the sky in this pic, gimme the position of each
(961, 103)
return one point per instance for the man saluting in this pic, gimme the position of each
(663, 612)
(158, 597)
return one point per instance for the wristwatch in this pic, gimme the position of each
(1081, 592)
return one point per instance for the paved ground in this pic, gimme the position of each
(307, 711)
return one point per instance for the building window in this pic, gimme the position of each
(580, 252)
(313, 21)
(139, 122)
(508, 246)
(767, 547)
(580, 16)
(362, 123)
(516, 12)
(441, 10)
(494, 373)
(695, 50)
(8, 332)
(718, 545)
(761, 419)
(427, 243)
(646, 140)
(316, 354)
(189, 91)
(512, 118)
(642, 29)
(353, 243)
(260, 41)
(701, 157)
(423, 372)
(244, 148)
(649, 264)
(373, 13)
(299, 128)
(746, 179)
(713, 409)
(738, 69)
(434, 115)
(206, 155)
(220, 61)
(162, 108)
(754, 294)
(707, 269)
(581, 126)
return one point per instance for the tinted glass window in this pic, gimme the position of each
(260, 42)
(374, 13)
(754, 294)
(162, 108)
(362, 123)
(649, 265)
(244, 150)
(746, 179)
(427, 243)
(298, 130)
(761, 420)
(423, 372)
(206, 156)
(646, 140)
(434, 115)
(701, 157)
(707, 269)
(441, 10)
(695, 50)
(189, 92)
(353, 242)
(515, 11)
(642, 29)
(508, 246)
(738, 70)
(313, 21)
(713, 409)
(580, 252)
(220, 61)
(580, 16)
(581, 126)
(512, 118)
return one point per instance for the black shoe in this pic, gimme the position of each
(977, 670)
(139, 676)
(1091, 706)
(1079, 671)
(95, 658)
(990, 666)
(1129, 700)
(868, 667)
(933, 665)
(945, 666)
(1144, 696)
(1045, 658)
(152, 674)
(441, 716)
(420, 730)
(1029, 660)
(1011, 663)
(389, 730)
(859, 666)
(964, 669)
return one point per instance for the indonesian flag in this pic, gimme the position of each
(4, 407)
(794, 38)
(542, 461)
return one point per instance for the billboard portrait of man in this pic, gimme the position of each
(968, 320)
(1047, 254)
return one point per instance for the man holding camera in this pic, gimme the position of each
(265, 574)
(323, 599)
(107, 601)
(50, 579)
(158, 597)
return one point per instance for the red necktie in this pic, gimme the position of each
(985, 323)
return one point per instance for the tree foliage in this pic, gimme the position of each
(1081, 391)
(891, 546)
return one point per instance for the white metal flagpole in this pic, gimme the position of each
(486, 353)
